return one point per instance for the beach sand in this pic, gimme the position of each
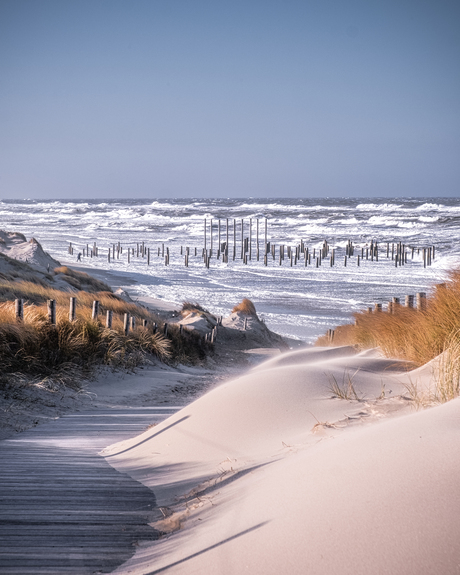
(269, 472)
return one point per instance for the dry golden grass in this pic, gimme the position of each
(81, 280)
(189, 307)
(35, 347)
(246, 307)
(417, 336)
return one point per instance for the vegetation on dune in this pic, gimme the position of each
(246, 307)
(189, 307)
(415, 335)
(81, 280)
(35, 347)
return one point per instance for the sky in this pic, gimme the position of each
(193, 98)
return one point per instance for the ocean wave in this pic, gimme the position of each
(428, 218)
(379, 207)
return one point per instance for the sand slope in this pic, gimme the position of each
(269, 473)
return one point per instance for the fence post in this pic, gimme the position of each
(421, 300)
(409, 302)
(95, 310)
(165, 330)
(52, 311)
(126, 324)
(108, 319)
(72, 308)
(19, 309)
(132, 322)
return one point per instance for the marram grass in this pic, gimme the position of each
(417, 336)
(33, 346)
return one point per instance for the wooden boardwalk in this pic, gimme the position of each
(63, 508)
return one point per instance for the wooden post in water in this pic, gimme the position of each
(257, 238)
(242, 238)
(51, 304)
(109, 319)
(250, 238)
(205, 224)
(210, 233)
(95, 311)
(19, 309)
(234, 239)
(265, 249)
(219, 244)
(148, 256)
(72, 308)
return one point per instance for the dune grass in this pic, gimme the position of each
(34, 347)
(81, 280)
(246, 307)
(417, 336)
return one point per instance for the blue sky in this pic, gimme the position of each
(168, 98)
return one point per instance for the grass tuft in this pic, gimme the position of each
(246, 307)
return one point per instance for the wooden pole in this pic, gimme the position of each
(108, 319)
(205, 224)
(421, 301)
(126, 323)
(19, 309)
(409, 302)
(265, 250)
(218, 233)
(51, 304)
(95, 310)
(210, 233)
(72, 308)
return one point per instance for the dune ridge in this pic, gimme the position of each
(272, 473)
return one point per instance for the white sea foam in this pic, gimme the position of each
(298, 301)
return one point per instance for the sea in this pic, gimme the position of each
(299, 301)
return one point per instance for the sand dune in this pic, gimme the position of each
(269, 473)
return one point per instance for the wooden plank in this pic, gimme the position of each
(63, 508)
